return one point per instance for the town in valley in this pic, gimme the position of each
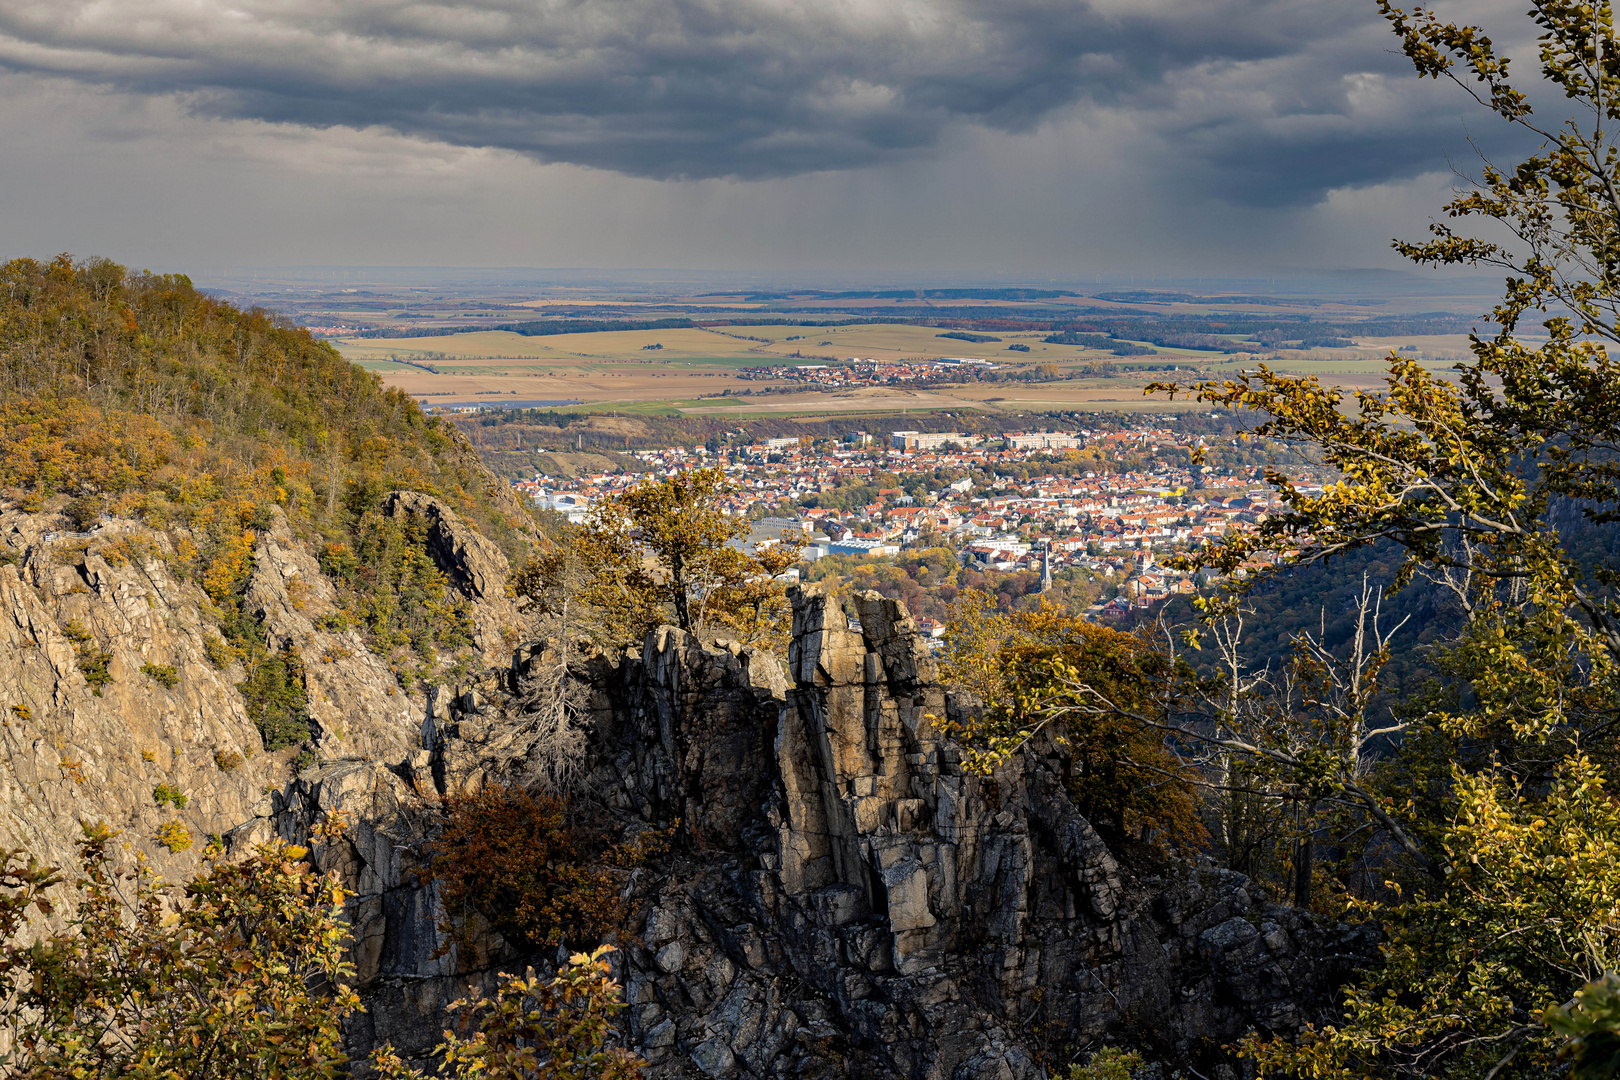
(1036, 508)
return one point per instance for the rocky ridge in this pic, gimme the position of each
(842, 899)
(76, 751)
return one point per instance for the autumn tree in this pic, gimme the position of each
(1123, 774)
(534, 1028)
(244, 976)
(665, 552)
(243, 973)
(515, 861)
(1469, 475)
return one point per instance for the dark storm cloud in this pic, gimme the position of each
(1258, 96)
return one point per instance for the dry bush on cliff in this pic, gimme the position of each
(242, 974)
(530, 868)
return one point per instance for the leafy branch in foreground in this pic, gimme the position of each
(1021, 665)
(1472, 968)
(1470, 475)
(244, 976)
(535, 1029)
(244, 973)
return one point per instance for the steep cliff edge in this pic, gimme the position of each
(109, 694)
(843, 900)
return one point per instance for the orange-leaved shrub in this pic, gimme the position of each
(535, 876)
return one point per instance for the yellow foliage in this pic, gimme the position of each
(1024, 667)
(174, 836)
(227, 572)
(55, 444)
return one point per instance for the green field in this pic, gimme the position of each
(731, 348)
(620, 345)
(384, 366)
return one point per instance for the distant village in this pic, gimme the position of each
(1117, 527)
(855, 372)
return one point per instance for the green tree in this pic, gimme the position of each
(1506, 766)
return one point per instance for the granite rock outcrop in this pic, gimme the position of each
(843, 900)
(106, 603)
(105, 606)
(474, 565)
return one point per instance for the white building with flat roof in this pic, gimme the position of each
(862, 547)
(1044, 440)
(930, 440)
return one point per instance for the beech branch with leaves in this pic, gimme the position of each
(1469, 475)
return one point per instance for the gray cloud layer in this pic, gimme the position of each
(1266, 102)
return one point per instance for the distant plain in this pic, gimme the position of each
(694, 367)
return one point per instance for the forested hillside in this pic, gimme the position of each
(143, 394)
(134, 395)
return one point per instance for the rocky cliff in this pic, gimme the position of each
(841, 899)
(107, 691)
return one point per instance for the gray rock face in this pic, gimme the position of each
(844, 900)
(882, 914)
(354, 700)
(69, 754)
(841, 900)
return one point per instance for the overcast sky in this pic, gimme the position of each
(1004, 137)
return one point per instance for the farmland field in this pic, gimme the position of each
(694, 368)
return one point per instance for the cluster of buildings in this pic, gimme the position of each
(1115, 526)
(855, 371)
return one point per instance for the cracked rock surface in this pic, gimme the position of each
(844, 900)
(841, 900)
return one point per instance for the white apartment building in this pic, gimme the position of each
(930, 440)
(1044, 440)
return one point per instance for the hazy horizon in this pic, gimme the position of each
(1349, 282)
